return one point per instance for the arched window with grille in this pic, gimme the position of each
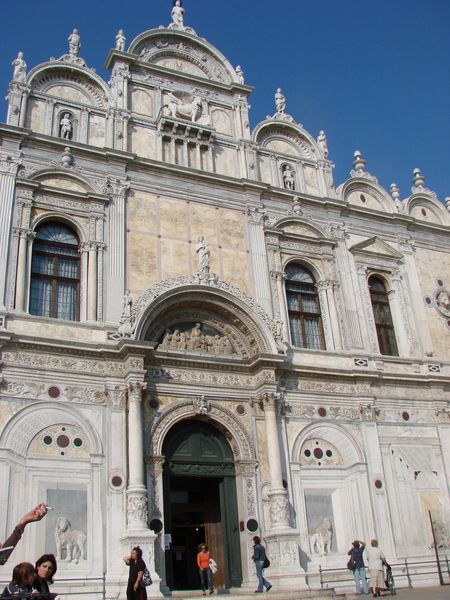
(305, 320)
(55, 273)
(383, 317)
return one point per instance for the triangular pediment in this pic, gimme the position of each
(378, 247)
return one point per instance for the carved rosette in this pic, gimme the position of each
(137, 512)
(279, 509)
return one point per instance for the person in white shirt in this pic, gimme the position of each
(375, 560)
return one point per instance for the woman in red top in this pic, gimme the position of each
(203, 558)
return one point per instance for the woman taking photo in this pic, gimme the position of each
(203, 558)
(135, 587)
(45, 570)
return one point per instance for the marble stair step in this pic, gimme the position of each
(318, 594)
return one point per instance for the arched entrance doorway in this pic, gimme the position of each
(200, 504)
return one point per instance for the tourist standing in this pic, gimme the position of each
(359, 571)
(22, 581)
(375, 561)
(135, 587)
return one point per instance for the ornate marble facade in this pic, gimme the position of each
(187, 220)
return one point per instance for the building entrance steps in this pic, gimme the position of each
(239, 594)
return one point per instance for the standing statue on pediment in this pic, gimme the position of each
(66, 127)
(74, 44)
(178, 15)
(204, 256)
(323, 143)
(20, 68)
(280, 102)
(240, 74)
(120, 41)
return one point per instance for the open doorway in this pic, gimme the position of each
(200, 505)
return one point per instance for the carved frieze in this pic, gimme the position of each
(197, 339)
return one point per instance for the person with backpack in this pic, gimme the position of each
(356, 564)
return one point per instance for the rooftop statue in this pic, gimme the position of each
(178, 15)
(323, 143)
(240, 73)
(280, 102)
(120, 41)
(74, 43)
(20, 68)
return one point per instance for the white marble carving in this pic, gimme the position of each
(120, 41)
(321, 538)
(20, 68)
(70, 543)
(323, 143)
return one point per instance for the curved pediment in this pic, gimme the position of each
(76, 84)
(231, 323)
(184, 53)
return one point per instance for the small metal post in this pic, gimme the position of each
(407, 573)
(321, 578)
(438, 563)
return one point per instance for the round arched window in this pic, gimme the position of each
(305, 320)
(55, 273)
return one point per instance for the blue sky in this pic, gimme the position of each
(374, 75)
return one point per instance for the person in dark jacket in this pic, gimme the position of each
(22, 581)
(359, 573)
(36, 514)
(135, 587)
(45, 570)
(259, 557)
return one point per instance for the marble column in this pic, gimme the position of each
(117, 191)
(8, 170)
(281, 539)
(92, 281)
(279, 503)
(258, 253)
(279, 278)
(137, 532)
(25, 238)
(327, 289)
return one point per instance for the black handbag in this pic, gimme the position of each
(351, 563)
(266, 563)
(146, 578)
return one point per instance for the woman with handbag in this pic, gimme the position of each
(204, 568)
(356, 564)
(135, 588)
(261, 562)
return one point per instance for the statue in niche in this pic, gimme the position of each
(120, 41)
(204, 256)
(20, 68)
(178, 15)
(66, 127)
(74, 44)
(288, 178)
(240, 74)
(190, 110)
(280, 102)
(323, 143)
(321, 538)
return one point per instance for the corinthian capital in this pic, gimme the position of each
(135, 391)
(268, 400)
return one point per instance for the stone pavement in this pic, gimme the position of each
(424, 593)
